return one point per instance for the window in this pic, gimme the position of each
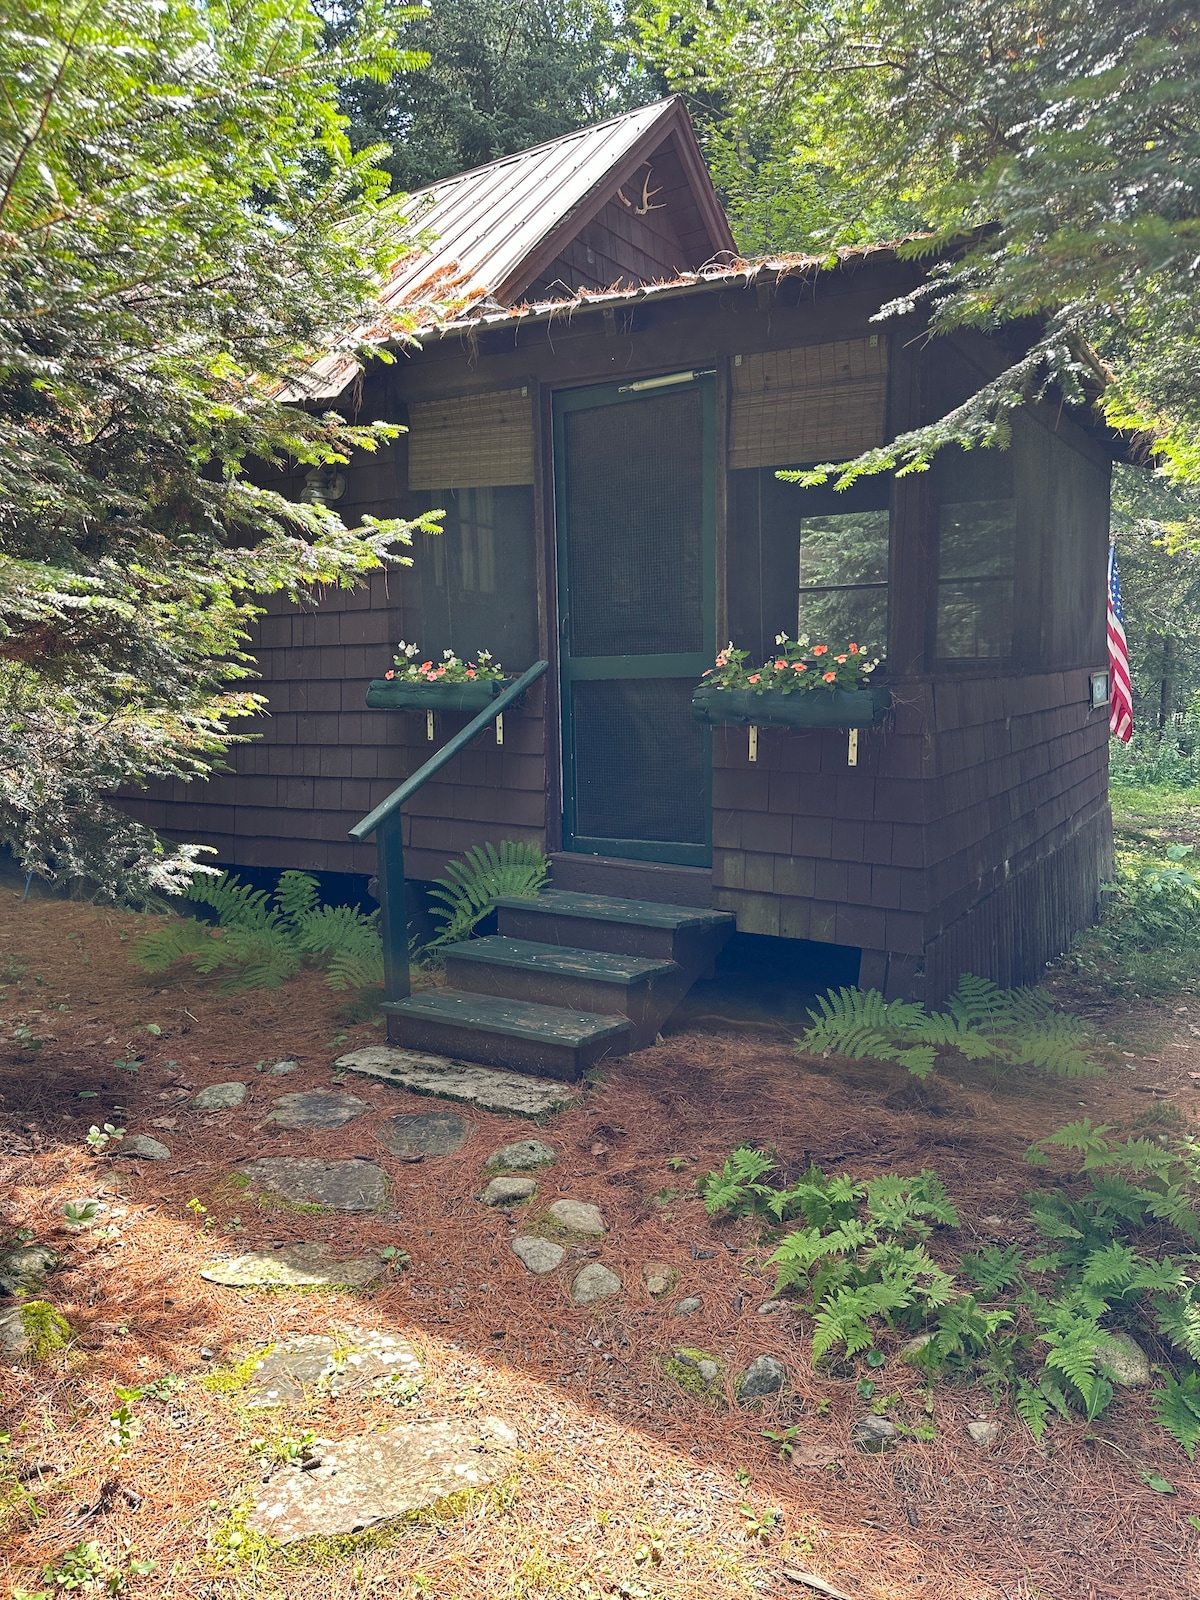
(843, 578)
(977, 536)
(478, 577)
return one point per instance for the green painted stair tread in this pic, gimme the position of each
(560, 960)
(612, 908)
(513, 1019)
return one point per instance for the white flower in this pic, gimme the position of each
(781, 638)
(447, 655)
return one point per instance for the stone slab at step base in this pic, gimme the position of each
(545, 1041)
(461, 1081)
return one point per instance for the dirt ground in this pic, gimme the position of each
(624, 1484)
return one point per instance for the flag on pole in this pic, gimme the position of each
(1120, 690)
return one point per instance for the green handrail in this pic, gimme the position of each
(385, 822)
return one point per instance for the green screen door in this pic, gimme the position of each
(634, 499)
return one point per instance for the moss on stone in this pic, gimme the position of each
(683, 1366)
(47, 1330)
(228, 1380)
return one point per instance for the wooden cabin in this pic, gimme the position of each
(602, 423)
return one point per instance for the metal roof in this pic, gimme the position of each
(479, 228)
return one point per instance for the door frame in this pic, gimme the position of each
(563, 402)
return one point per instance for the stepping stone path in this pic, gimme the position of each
(762, 1377)
(282, 1068)
(316, 1108)
(141, 1147)
(383, 1474)
(431, 1133)
(594, 1283)
(352, 1186)
(658, 1278)
(218, 1097)
(298, 1266)
(355, 1362)
(526, 1155)
(508, 1191)
(26, 1267)
(485, 1087)
(578, 1216)
(539, 1255)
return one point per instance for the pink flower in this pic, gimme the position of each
(853, 649)
(820, 649)
(754, 677)
(779, 666)
(841, 660)
(829, 677)
(470, 672)
(426, 666)
(389, 674)
(799, 667)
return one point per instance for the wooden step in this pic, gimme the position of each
(640, 988)
(547, 1041)
(687, 935)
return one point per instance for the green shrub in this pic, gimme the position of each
(980, 1022)
(1118, 1252)
(261, 939)
(472, 886)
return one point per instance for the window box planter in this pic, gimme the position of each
(815, 708)
(385, 694)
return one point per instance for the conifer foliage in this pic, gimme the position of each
(183, 227)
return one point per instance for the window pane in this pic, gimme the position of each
(842, 616)
(975, 578)
(478, 577)
(851, 547)
(975, 618)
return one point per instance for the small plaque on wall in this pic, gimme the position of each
(1099, 688)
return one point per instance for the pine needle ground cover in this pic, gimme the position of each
(624, 1481)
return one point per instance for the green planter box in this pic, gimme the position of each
(812, 708)
(386, 694)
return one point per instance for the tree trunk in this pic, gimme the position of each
(1167, 683)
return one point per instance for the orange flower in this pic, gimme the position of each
(754, 677)
(820, 649)
(799, 667)
(426, 666)
(829, 677)
(779, 666)
(389, 674)
(841, 660)
(470, 673)
(853, 649)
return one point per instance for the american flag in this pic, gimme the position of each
(1120, 691)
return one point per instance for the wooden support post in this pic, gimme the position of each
(753, 751)
(393, 908)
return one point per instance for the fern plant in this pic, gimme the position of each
(486, 874)
(260, 939)
(981, 1021)
(1034, 1326)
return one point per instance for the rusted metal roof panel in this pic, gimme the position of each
(482, 225)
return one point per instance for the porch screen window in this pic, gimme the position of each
(843, 578)
(478, 577)
(977, 537)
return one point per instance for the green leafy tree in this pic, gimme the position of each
(1050, 151)
(183, 224)
(502, 75)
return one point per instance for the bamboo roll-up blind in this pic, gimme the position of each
(822, 402)
(476, 441)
